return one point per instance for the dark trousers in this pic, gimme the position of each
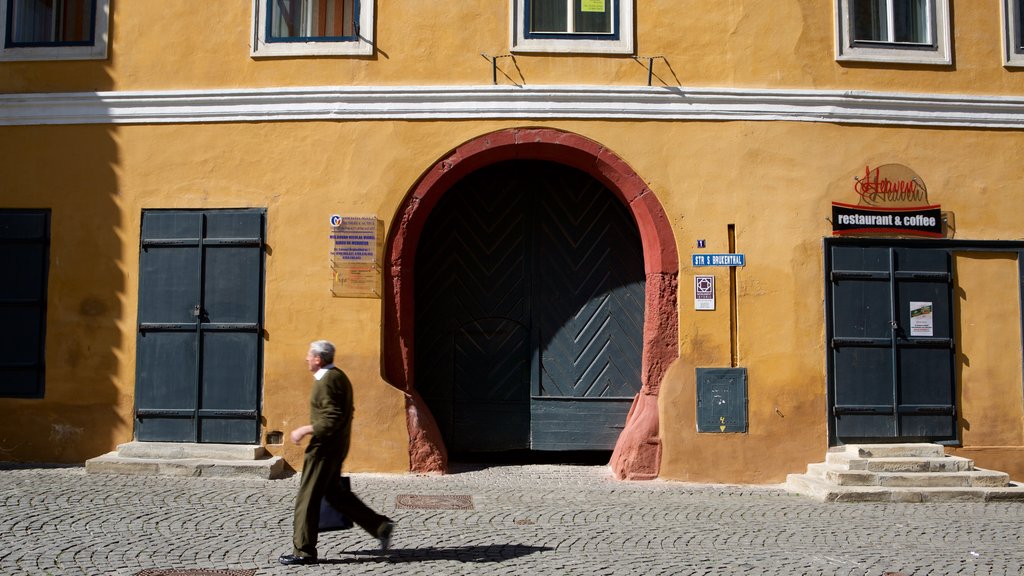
(321, 475)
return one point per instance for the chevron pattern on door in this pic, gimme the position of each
(592, 322)
(590, 279)
(472, 315)
(529, 310)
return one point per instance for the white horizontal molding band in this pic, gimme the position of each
(511, 102)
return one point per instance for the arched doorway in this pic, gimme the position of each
(529, 300)
(637, 451)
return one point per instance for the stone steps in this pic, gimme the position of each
(901, 473)
(912, 465)
(181, 459)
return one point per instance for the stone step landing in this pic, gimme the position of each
(181, 459)
(901, 473)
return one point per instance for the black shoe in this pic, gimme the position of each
(292, 559)
(384, 534)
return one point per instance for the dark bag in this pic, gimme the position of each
(331, 518)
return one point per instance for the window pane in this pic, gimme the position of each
(548, 16)
(902, 21)
(51, 21)
(1019, 32)
(312, 18)
(593, 16)
(911, 21)
(870, 21)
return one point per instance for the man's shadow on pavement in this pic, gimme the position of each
(475, 554)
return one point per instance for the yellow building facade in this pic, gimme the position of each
(817, 206)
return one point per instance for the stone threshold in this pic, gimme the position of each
(901, 473)
(184, 459)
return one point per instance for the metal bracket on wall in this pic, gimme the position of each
(650, 65)
(494, 65)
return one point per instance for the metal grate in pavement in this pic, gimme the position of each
(200, 572)
(433, 502)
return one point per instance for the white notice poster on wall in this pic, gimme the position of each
(922, 320)
(703, 292)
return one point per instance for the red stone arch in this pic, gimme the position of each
(637, 453)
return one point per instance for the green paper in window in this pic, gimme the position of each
(592, 5)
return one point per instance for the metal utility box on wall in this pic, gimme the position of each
(721, 399)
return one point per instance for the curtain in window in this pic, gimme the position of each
(903, 21)
(1019, 34)
(312, 18)
(593, 16)
(548, 16)
(870, 20)
(911, 21)
(588, 16)
(50, 21)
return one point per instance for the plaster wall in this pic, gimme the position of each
(179, 44)
(773, 181)
(989, 361)
(90, 310)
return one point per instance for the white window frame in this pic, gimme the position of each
(97, 51)
(849, 51)
(1011, 32)
(361, 46)
(622, 22)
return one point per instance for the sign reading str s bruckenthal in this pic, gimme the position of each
(892, 200)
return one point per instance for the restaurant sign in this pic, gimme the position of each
(891, 200)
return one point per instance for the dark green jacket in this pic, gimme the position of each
(330, 410)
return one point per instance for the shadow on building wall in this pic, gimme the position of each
(72, 171)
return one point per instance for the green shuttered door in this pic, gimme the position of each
(891, 343)
(200, 326)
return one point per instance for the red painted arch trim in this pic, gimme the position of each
(633, 453)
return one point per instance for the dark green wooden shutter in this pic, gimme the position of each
(24, 258)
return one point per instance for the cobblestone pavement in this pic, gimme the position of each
(525, 519)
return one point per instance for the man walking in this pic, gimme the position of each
(330, 427)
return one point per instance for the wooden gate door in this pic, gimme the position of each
(530, 300)
(892, 357)
(200, 326)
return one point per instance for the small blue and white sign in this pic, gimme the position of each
(719, 260)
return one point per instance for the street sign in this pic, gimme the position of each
(719, 260)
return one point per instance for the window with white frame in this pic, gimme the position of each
(896, 31)
(1013, 32)
(572, 26)
(312, 28)
(53, 29)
